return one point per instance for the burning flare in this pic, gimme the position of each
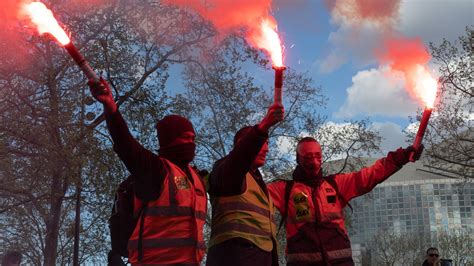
(44, 20)
(267, 38)
(424, 86)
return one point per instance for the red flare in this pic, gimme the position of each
(422, 128)
(278, 98)
(44, 20)
(421, 131)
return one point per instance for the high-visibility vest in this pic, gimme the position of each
(172, 225)
(248, 215)
(315, 226)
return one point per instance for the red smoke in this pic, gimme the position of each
(352, 12)
(403, 53)
(410, 56)
(250, 15)
(377, 10)
(9, 11)
(14, 23)
(229, 14)
(13, 55)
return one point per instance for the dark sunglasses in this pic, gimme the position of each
(433, 255)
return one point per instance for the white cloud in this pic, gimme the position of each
(376, 92)
(434, 20)
(350, 42)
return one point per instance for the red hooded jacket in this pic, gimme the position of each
(315, 230)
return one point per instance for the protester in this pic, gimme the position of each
(311, 204)
(11, 258)
(170, 197)
(242, 227)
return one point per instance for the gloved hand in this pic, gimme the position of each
(408, 154)
(414, 153)
(114, 259)
(274, 115)
(102, 93)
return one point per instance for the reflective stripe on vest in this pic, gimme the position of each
(340, 253)
(175, 211)
(304, 257)
(219, 229)
(248, 215)
(174, 220)
(167, 242)
(230, 206)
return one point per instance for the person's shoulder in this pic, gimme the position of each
(219, 162)
(279, 182)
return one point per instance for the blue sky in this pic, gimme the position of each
(306, 26)
(314, 43)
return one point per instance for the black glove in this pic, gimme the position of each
(114, 259)
(409, 154)
(414, 154)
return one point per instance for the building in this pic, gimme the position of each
(415, 199)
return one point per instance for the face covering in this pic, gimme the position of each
(179, 154)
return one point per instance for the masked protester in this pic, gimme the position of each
(311, 204)
(170, 197)
(242, 227)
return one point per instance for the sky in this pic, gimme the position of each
(339, 55)
(345, 67)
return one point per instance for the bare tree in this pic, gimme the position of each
(457, 245)
(450, 138)
(392, 248)
(51, 140)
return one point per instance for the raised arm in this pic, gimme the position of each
(136, 158)
(358, 183)
(228, 174)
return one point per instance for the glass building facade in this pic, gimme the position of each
(429, 206)
(414, 200)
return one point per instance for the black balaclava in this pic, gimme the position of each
(168, 129)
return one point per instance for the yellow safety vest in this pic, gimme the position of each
(248, 215)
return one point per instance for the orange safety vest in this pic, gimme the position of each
(315, 229)
(248, 215)
(172, 225)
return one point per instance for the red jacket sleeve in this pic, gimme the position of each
(277, 193)
(355, 184)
